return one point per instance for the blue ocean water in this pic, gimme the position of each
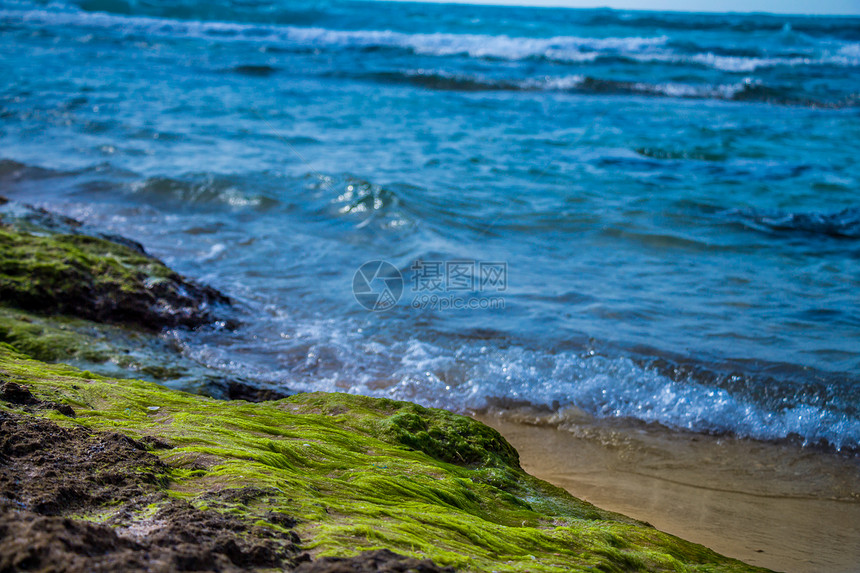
(674, 196)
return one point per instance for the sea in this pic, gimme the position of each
(643, 216)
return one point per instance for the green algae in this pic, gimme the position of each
(110, 349)
(120, 352)
(38, 270)
(97, 279)
(49, 340)
(363, 473)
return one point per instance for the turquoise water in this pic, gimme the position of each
(674, 196)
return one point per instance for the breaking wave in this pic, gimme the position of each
(747, 90)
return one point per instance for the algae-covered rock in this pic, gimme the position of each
(440, 434)
(122, 352)
(450, 438)
(340, 472)
(98, 279)
(51, 339)
(371, 562)
(39, 221)
(71, 293)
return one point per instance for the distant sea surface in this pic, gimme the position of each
(676, 196)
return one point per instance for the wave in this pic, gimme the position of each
(851, 50)
(357, 195)
(562, 49)
(16, 171)
(358, 202)
(740, 64)
(259, 71)
(844, 225)
(695, 154)
(203, 189)
(747, 90)
(446, 81)
(482, 373)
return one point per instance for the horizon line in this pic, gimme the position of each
(565, 4)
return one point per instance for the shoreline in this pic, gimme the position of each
(771, 505)
(109, 474)
(288, 484)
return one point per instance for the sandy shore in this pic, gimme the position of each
(772, 505)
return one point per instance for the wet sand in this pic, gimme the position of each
(774, 505)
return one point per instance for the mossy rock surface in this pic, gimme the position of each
(121, 352)
(97, 279)
(356, 473)
(51, 339)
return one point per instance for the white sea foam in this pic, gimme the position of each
(746, 64)
(851, 50)
(738, 64)
(560, 83)
(721, 91)
(478, 373)
(669, 89)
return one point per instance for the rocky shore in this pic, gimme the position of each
(108, 473)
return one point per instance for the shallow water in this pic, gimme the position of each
(674, 196)
(771, 505)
